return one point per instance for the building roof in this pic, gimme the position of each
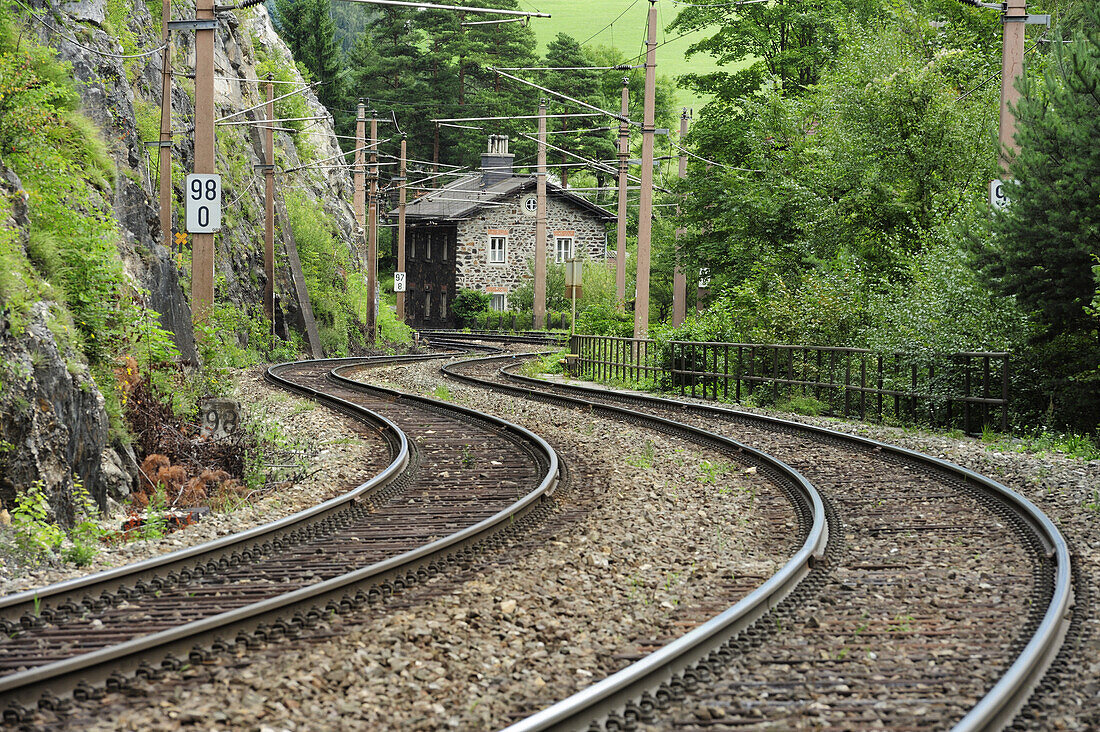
(465, 198)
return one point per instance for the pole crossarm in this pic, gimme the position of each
(459, 8)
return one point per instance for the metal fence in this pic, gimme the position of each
(965, 390)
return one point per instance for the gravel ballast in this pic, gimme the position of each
(559, 611)
(650, 537)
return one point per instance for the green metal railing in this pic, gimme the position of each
(965, 390)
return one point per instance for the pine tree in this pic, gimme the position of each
(1049, 237)
(1047, 243)
(310, 32)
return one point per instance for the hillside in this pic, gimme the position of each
(620, 24)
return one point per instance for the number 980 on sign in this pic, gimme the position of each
(204, 203)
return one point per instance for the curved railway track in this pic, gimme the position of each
(944, 599)
(422, 512)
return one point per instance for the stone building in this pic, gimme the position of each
(479, 233)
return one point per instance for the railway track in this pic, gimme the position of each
(944, 598)
(453, 480)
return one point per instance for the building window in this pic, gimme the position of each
(563, 248)
(499, 303)
(497, 247)
(443, 304)
(427, 305)
(411, 253)
(531, 205)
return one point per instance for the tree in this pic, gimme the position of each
(310, 32)
(1049, 237)
(1047, 243)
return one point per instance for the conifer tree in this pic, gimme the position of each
(1049, 237)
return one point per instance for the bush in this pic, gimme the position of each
(469, 307)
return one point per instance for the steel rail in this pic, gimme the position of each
(628, 684)
(1001, 703)
(69, 674)
(17, 604)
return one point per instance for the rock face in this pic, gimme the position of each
(52, 419)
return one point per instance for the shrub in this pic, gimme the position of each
(469, 306)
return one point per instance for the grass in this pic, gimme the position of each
(583, 18)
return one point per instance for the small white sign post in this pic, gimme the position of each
(998, 194)
(204, 203)
(399, 280)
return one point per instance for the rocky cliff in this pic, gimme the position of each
(52, 420)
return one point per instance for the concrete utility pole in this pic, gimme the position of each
(679, 280)
(166, 129)
(645, 207)
(202, 245)
(269, 204)
(401, 192)
(372, 232)
(540, 225)
(620, 229)
(1012, 66)
(359, 176)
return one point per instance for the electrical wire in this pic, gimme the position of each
(611, 24)
(76, 43)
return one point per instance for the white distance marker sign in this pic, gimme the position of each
(998, 194)
(398, 281)
(204, 203)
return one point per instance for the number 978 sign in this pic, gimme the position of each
(204, 203)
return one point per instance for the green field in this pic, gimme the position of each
(585, 20)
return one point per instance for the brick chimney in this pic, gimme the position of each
(496, 163)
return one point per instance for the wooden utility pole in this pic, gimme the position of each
(679, 280)
(1012, 66)
(372, 233)
(269, 204)
(620, 229)
(401, 192)
(359, 175)
(202, 245)
(540, 224)
(645, 207)
(165, 152)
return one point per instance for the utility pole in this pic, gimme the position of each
(165, 140)
(202, 245)
(372, 232)
(435, 151)
(359, 173)
(679, 280)
(1014, 20)
(401, 192)
(645, 207)
(269, 204)
(540, 225)
(620, 229)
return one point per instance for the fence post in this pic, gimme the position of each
(966, 395)
(985, 389)
(863, 387)
(879, 359)
(847, 380)
(1004, 393)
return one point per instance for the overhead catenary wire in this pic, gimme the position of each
(566, 97)
(619, 67)
(231, 115)
(78, 44)
(458, 8)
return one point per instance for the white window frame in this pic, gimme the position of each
(503, 257)
(498, 302)
(558, 258)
